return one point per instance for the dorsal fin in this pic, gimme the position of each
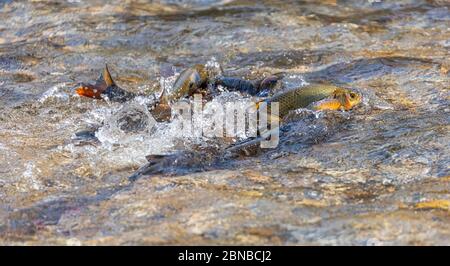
(163, 99)
(104, 80)
(107, 77)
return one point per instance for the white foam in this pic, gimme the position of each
(54, 92)
(29, 176)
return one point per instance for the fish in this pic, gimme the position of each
(188, 82)
(175, 163)
(259, 87)
(161, 110)
(104, 88)
(316, 97)
(237, 84)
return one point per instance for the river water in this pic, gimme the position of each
(376, 175)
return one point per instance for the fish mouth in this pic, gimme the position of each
(352, 99)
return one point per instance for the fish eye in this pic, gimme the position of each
(352, 95)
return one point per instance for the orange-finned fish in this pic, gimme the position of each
(316, 97)
(104, 87)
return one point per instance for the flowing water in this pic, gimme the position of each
(376, 175)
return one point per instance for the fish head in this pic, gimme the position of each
(347, 98)
(202, 71)
(188, 82)
(194, 81)
(340, 99)
(198, 77)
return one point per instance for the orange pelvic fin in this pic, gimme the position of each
(341, 99)
(327, 104)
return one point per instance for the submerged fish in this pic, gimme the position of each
(104, 87)
(259, 87)
(181, 162)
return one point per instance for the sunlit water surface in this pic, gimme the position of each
(376, 175)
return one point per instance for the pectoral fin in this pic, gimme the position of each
(327, 104)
